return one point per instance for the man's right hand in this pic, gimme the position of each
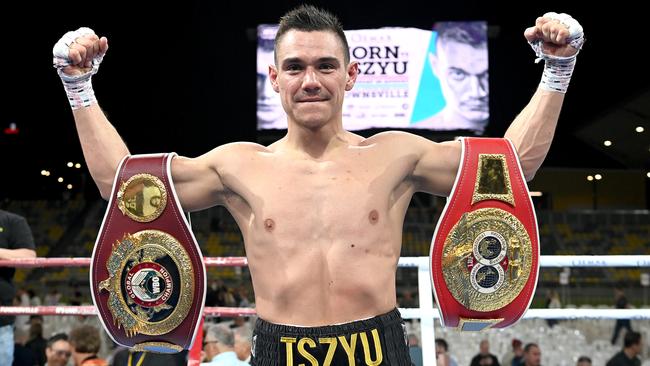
(78, 52)
(82, 52)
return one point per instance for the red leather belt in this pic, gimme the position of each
(485, 250)
(147, 273)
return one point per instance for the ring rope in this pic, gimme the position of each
(545, 261)
(407, 313)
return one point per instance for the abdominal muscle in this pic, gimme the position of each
(319, 283)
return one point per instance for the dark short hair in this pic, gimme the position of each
(584, 359)
(529, 346)
(516, 343)
(308, 18)
(471, 33)
(631, 338)
(85, 339)
(55, 338)
(442, 343)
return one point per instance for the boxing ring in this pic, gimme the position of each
(426, 312)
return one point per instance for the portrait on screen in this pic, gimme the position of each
(457, 68)
(270, 114)
(408, 78)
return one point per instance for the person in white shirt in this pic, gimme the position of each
(218, 345)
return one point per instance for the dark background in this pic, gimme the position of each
(180, 77)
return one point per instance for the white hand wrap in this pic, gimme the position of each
(78, 87)
(557, 69)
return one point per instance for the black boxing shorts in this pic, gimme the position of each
(380, 340)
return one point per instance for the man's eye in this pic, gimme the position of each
(327, 66)
(293, 67)
(457, 75)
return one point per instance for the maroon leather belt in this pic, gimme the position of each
(147, 274)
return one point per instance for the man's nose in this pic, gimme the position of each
(310, 82)
(479, 86)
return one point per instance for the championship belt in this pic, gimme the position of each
(485, 250)
(147, 274)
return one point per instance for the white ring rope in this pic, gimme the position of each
(407, 313)
(545, 261)
(562, 261)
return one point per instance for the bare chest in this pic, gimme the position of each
(336, 199)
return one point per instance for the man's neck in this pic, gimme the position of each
(316, 142)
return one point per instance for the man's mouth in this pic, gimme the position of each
(312, 100)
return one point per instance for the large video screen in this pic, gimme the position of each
(408, 78)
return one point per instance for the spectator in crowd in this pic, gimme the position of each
(415, 350)
(22, 356)
(442, 354)
(532, 355)
(16, 241)
(86, 343)
(516, 354)
(621, 303)
(219, 347)
(36, 343)
(629, 356)
(583, 361)
(53, 298)
(553, 302)
(243, 339)
(34, 300)
(484, 350)
(58, 350)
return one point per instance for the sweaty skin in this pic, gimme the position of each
(321, 210)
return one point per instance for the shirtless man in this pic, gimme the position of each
(320, 210)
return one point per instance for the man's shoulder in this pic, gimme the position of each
(234, 152)
(10, 217)
(244, 146)
(619, 359)
(390, 138)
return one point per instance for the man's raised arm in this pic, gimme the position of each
(556, 38)
(77, 56)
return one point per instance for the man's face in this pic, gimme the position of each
(269, 108)
(638, 347)
(463, 73)
(312, 77)
(484, 347)
(533, 357)
(210, 347)
(58, 354)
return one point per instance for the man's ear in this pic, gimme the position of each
(433, 62)
(351, 75)
(273, 77)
